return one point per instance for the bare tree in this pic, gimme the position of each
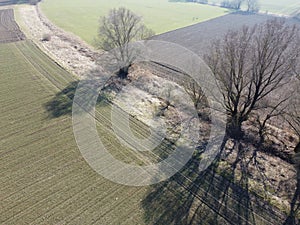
(268, 110)
(195, 92)
(198, 97)
(250, 65)
(116, 31)
(232, 4)
(252, 6)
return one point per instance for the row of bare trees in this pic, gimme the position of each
(252, 5)
(257, 69)
(252, 65)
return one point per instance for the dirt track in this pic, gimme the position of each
(65, 48)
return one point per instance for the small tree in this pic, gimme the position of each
(252, 6)
(251, 64)
(116, 31)
(198, 97)
(46, 37)
(232, 4)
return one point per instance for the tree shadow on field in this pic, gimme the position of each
(208, 197)
(62, 103)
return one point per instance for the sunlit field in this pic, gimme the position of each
(81, 16)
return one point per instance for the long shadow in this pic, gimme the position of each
(193, 197)
(294, 206)
(189, 197)
(213, 196)
(62, 103)
(292, 218)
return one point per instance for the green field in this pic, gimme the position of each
(44, 179)
(81, 16)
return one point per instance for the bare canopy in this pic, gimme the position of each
(250, 65)
(120, 27)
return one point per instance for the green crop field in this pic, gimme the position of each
(81, 16)
(44, 179)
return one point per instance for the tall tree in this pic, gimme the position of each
(250, 65)
(120, 27)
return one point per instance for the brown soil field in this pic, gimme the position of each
(9, 29)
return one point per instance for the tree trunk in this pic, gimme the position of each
(123, 72)
(234, 127)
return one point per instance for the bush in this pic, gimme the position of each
(46, 37)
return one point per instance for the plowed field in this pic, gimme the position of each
(9, 29)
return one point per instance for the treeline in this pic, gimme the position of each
(252, 5)
(196, 1)
(10, 2)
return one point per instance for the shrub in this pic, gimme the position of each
(46, 37)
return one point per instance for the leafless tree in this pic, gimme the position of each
(268, 110)
(198, 97)
(252, 6)
(250, 65)
(195, 92)
(232, 4)
(120, 27)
